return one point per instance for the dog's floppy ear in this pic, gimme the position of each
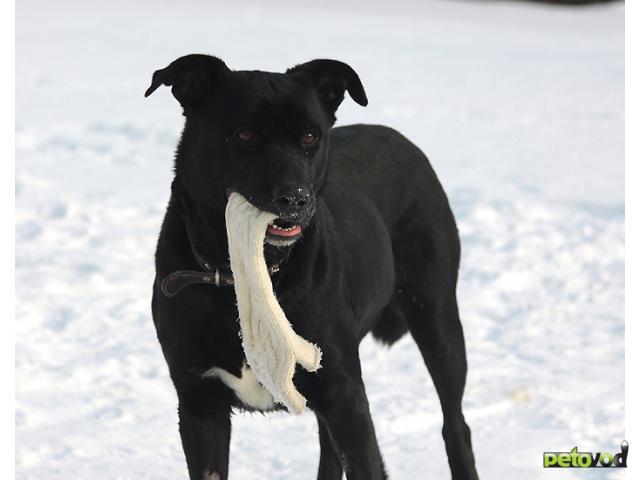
(191, 78)
(331, 78)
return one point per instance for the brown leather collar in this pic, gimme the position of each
(219, 276)
(176, 281)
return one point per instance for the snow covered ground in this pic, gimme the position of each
(520, 108)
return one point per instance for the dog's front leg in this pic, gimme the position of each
(205, 439)
(330, 466)
(343, 408)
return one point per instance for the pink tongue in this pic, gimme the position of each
(284, 233)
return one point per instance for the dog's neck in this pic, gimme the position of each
(208, 244)
(207, 235)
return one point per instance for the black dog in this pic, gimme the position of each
(365, 241)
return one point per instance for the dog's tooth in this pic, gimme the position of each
(283, 229)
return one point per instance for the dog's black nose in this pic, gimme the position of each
(293, 198)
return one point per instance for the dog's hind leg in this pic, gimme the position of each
(438, 333)
(330, 467)
(427, 260)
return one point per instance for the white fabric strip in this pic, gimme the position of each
(270, 344)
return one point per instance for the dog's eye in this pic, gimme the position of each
(245, 135)
(309, 138)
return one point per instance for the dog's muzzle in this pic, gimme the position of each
(294, 208)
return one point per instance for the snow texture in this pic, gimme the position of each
(520, 108)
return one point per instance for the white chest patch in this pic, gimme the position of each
(246, 387)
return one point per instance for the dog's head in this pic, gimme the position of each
(262, 134)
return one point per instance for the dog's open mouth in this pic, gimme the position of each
(282, 233)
